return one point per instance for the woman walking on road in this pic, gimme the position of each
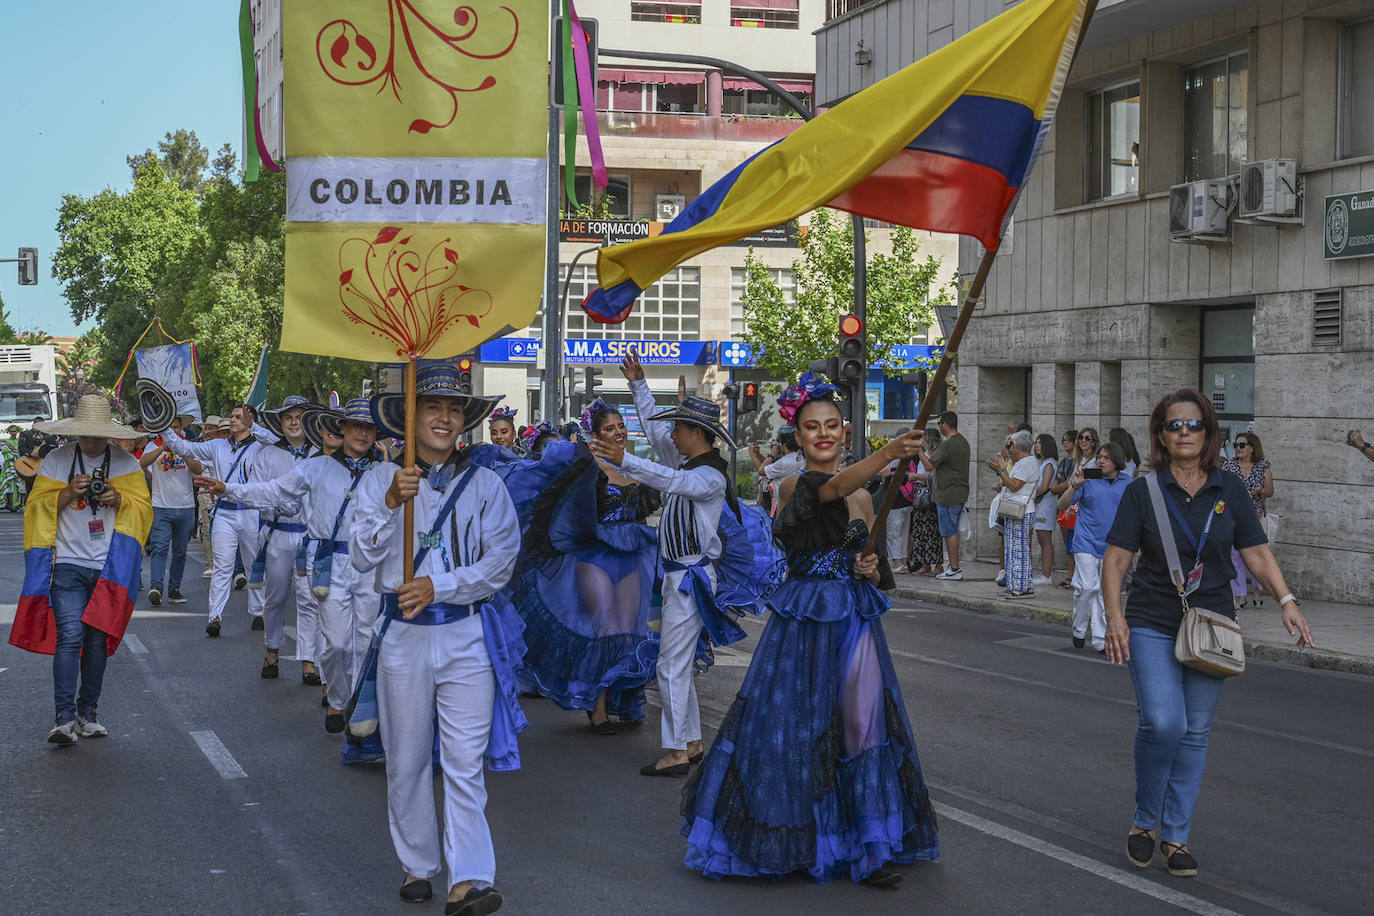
(1249, 465)
(1209, 512)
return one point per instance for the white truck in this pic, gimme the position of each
(28, 384)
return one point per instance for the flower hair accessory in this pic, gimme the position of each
(589, 414)
(502, 413)
(809, 386)
(532, 433)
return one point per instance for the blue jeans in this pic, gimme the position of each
(80, 648)
(171, 527)
(1175, 706)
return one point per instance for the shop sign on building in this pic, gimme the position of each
(1348, 225)
(606, 231)
(592, 352)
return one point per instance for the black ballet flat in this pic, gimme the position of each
(883, 877)
(476, 902)
(271, 671)
(604, 727)
(678, 770)
(697, 757)
(334, 723)
(417, 891)
(311, 678)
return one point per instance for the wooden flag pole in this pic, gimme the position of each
(937, 384)
(408, 516)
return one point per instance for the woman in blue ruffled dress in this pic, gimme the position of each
(585, 576)
(815, 768)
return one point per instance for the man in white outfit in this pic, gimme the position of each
(448, 649)
(694, 479)
(212, 428)
(327, 487)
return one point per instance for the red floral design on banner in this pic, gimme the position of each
(349, 57)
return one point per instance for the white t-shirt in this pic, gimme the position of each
(170, 482)
(83, 536)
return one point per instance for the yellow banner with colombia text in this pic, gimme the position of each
(416, 177)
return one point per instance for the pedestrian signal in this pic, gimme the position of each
(749, 397)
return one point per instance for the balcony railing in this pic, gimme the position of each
(834, 9)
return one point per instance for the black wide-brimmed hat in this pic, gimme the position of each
(698, 412)
(319, 420)
(436, 380)
(272, 418)
(156, 405)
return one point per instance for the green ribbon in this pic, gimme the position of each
(569, 110)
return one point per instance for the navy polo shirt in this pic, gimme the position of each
(1154, 600)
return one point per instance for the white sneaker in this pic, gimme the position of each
(1001, 577)
(64, 734)
(1042, 580)
(90, 728)
(951, 574)
(205, 575)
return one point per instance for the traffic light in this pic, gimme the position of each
(591, 382)
(589, 31)
(830, 368)
(853, 348)
(465, 375)
(749, 397)
(28, 266)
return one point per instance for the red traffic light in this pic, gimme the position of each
(751, 390)
(851, 326)
(465, 365)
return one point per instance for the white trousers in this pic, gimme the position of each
(681, 624)
(347, 617)
(279, 581)
(235, 531)
(1088, 608)
(421, 671)
(898, 532)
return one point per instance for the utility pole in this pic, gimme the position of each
(550, 392)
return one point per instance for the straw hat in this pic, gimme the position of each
(93, 418)
(212, 422)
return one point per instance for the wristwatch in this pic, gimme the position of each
(1366, 445)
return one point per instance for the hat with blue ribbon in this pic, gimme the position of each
(272, 418)
(432, 380)
(320, 420)
(698, 412)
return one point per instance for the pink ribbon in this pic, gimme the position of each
(586, 90)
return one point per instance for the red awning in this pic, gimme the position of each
(660, 77)
(765, 4)
(731, 82)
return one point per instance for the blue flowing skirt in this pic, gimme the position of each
(815, 768)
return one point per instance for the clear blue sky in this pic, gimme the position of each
(88, 82)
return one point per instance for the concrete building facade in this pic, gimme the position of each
(1095, 312)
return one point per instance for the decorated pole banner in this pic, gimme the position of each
(173, 366)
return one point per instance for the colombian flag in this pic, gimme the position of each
(944, 144)
(112, 602)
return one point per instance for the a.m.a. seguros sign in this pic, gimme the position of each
(1348, 225)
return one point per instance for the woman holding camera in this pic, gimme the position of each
(1097, 492)
(1209, 512)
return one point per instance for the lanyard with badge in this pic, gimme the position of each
(1194, 577)
(96, 525)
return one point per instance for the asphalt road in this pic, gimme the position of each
(220, 792)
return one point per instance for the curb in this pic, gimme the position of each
(1320, 659)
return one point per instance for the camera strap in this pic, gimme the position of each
(79, 459)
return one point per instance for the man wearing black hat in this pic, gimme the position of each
(695, 479)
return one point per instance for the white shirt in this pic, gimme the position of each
(246, 466)
(695, 498)
(786, 466)
(465, 569)
(169, 480)
(319, 484)
(77, 543)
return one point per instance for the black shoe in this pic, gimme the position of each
(677, 769)
(155, 597)
(476, 902)
(270, 671)
(310, 678)
(258, 624)
(175, 596)
(212, 628)
(697, 757)
(604, 727)
(240, 582)
(883, 877)
(324, 701)
(334, 723)
(1140, 849)
(417, 891)
(1180, 862)
(1079, 641)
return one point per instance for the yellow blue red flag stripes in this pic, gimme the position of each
(944, 144)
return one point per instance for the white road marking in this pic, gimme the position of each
(1056, 646)
(218, 755)
(135, 644)
(3, 670)
(1115, 875)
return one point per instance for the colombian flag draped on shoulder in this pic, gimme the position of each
(112, 601)
(944, 144)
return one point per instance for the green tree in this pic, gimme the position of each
(35, 338)
(81, 357)
(181, 155)
(901, 302)
(7, 335)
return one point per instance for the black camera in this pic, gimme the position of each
(99, 483)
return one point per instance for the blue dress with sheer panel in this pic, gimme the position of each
(814, 768)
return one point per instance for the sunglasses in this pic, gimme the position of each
(1194, 426)
(1242, 445)
(1086, 439)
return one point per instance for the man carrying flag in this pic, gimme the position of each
(87, 519)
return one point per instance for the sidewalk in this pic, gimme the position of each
(1344, 632)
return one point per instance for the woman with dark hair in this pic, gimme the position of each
(1209, 513)
(585, 577)
(1251, 467)
(1124, 439)
(1046, 511)
(1074, 459)
(927, 548)
(501, 429)
(815, 768)
(534, 438)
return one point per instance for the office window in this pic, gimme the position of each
(781, 276)
(1215, 126)
(1114, 141)
(668, 310)
(681, 11)
(764, 14)
(1356, 126)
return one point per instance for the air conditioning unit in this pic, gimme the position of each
(1200, 211)
(668, 206)
(1269, 188)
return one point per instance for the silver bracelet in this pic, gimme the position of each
(1287, 598)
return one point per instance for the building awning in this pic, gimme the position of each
(660, 77)
(765, 4)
